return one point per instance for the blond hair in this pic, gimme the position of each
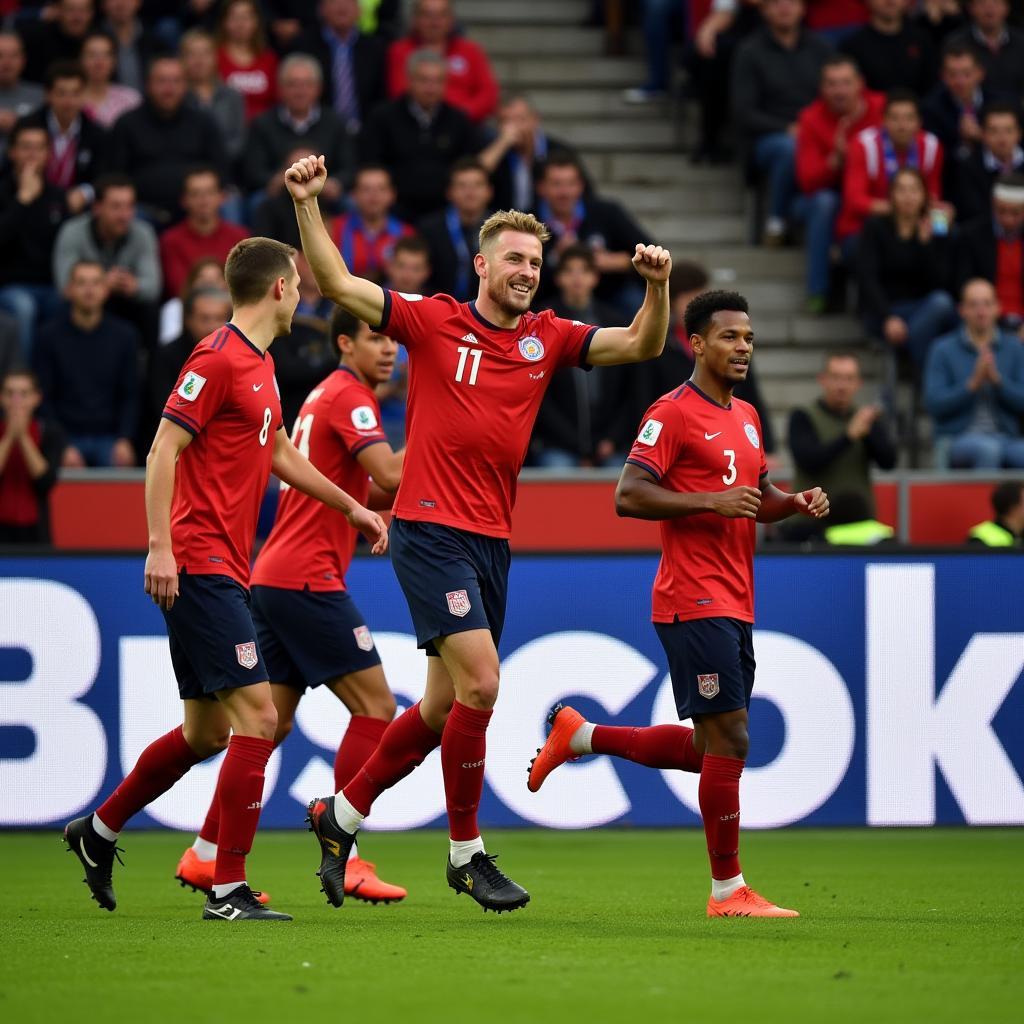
(511, 220)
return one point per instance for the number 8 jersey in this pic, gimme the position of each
(226, 398)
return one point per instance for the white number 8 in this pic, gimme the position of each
(730, 474)
(265, 432)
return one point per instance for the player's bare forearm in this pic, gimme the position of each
(639, 496)
(643, 339)
(294, 469)
(170, 441)
(379, 500)
(776, 505)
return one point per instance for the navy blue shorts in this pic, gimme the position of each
(311, 637)
(711, 662)
(212, 637)
(453, 580)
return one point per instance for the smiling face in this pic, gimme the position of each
(509, 269)
(725, 347)
(370, 353)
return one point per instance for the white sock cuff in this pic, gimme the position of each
(722, 889)
(220, 891)
(347, 817)
(205, 850)
(102, 831)
(462, 851)
(582, 740)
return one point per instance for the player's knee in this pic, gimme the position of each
(480, 691)
(283, 730)
(736, 742)
(381, 706)
(206, 741)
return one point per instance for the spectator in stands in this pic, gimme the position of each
(298, 121)
(775, 75)
(876, 154)
(353, 61)
(104, 100)
(939, 19)
(246, 62)
(903, 271)
(157, 142)
(836, 441)
(470, 86)
(836, 20)
(658, 19)
(999, 45)
(125, 246)
(453, 234)
(205, 273)
(1006, 527)
(55, 39)
(418, 137)
(31, 211)
(999, 152)
(135, 45)
(952, 110)
(86, 361)
(203, 232)
(993, 248)
(974, 388)
(825, 130)
(601, 224)
(365, 234)
(891, 51)
(17, 97)
(31, 448)
(207, 93)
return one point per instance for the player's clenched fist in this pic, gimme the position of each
(813, 503)
(306, 178)
(371, 526)
(738, 503)
(652, 262)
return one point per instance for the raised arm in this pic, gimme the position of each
(304, 180)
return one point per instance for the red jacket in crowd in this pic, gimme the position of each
(817, 127)
(181, 248)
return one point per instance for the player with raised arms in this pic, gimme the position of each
(220, 438)
(477, 374)
(698, 467)
(309, 629)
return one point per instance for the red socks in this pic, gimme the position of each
(158, 768)
(463, 748)
(658, 746)
(404, 744)
(240, 795)
(719, 797)
(359, 742)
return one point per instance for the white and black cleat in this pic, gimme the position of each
(240, 904)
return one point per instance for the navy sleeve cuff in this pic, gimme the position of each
(643, 465)
(181, 423)
(585, 351)
(385, 316)
(363, 445)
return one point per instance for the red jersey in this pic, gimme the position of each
(181, 248)
(311, 545)
(257, 82)
(474, 392)
(693, 445)
(226, 398)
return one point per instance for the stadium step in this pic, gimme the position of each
(568, 70)
(589, 103)
(515, 40)
(614, 134)
(644, 199)
(476, 13)
(682, 231)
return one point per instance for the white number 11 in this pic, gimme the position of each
(474, 354)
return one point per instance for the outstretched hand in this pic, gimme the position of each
(653, 263)
(306, 178)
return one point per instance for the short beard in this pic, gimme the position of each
(498, 297)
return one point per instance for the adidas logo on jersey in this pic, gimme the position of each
(471, 338)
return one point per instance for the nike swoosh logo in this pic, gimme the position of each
(710, 437)
(228, 912)
(88, 860)
(256, 387)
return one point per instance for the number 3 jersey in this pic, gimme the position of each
(311, 545)
(474, 392)
(691, 444)
(226, 398)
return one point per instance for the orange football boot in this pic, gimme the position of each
(362, 883)
(197, 874)
(564, 721)
(744, 902)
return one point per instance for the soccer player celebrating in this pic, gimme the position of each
(698, 467)
(309, 629)
(478, 372)
(220, 438)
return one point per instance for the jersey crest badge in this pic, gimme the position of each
(708, 685)
(751, 431)
(363, 418)
(531, 348)
(246, 654)
(191, 386)
(364, 638)
(650, 432)
(458, 603)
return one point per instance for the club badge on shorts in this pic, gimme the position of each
(458, 603)
(246, 654)
(708, 685)
(364, 638)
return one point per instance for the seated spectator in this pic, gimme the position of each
(515, 156)
(77, 144)
(31, 211)
(418, 137)
(974, 388)
(125, 246)
(658, 21)
(836, 20)
(353, 61)
(17, 97)
(601, 224)
(453, 234)
(365, 234)
(135, 45)
(939, 19)
(31, 448)
(205, 273)
(903, 271)
(775, 75)
(470, 86)
(891, 51)
(208, 94)
(297, 121)
(86, 361)
(1006, 527)
(103, 100)
(246, 62)
(58, 38)
(998, 44)
(203, 233)
(836, 442)
(159, 141)
(824, 133)
(999, 152)
(874, 157)
(993, 248)
(952, 110)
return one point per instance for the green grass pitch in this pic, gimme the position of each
(898, 926)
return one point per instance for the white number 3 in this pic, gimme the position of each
(729, 477)
(265, 432)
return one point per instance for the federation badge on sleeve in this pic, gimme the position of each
(246, 654)
(364, 418)
(531, 348)
(650, 432)
(751, 431)
(191, 386)
(458, 603)
(364, 638)
(708, 685)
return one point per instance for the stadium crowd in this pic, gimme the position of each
(141, 139)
